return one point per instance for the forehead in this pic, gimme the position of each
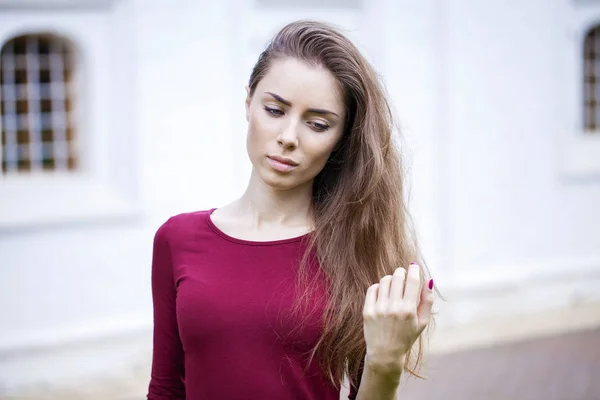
(303, 84)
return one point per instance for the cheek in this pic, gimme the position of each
(320, 152)
(258, 134)
(251, 139)
(258, 126)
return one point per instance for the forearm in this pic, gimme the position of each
(379, 382)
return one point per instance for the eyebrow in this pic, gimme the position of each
(289, 104)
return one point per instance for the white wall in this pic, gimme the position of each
(76, 297)
(516, 223)
(186, 106)
(479, 89)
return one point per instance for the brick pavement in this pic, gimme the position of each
(561, 367)
(565, 367)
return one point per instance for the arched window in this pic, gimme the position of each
(37, 73)
(591, 76)
(578, 125)
(67, 96)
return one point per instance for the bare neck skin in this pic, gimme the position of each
(265, 213)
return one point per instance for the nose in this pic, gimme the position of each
(288, 138)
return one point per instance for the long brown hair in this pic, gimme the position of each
(362, 226)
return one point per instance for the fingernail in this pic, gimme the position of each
(430, 284)
(413, 263)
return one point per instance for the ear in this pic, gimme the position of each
(248, 100)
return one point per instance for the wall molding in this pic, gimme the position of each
(517, 290)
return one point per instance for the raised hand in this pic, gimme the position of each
(396, 311)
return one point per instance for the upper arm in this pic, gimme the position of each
(167, 377)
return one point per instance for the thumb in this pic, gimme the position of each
(424, 310)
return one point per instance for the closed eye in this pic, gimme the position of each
(274, 111)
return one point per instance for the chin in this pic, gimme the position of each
(276, 181)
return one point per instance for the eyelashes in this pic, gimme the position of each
(274, 111)
(317, 126)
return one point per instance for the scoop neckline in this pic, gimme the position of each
(225, 236)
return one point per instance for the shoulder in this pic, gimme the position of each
(183, 223)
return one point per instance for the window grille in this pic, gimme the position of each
(37, 104)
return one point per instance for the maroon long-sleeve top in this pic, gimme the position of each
(222, 326)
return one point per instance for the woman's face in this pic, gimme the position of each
(295, 120)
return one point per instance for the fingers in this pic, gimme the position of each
(424, 310)
(370, 299)
(403, 290)
(383, 294)
(412, 291)
(397, 289)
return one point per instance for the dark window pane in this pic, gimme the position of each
(44, 76)
(46, 105)
(20, 76)
(43, 46)
(22, 106)
(23, 165)
(23, 137)
(70, 134)
(47, 135)
(48, 164)
(67, 75)
(20, 45)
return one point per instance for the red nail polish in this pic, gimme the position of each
(430, 284)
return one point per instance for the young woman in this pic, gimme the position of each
(311, 274)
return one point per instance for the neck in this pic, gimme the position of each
(269, 206)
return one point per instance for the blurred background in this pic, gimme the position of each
(117, 114)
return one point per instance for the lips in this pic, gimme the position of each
(282, 164)
(284, 160)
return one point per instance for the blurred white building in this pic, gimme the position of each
(119, 113)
